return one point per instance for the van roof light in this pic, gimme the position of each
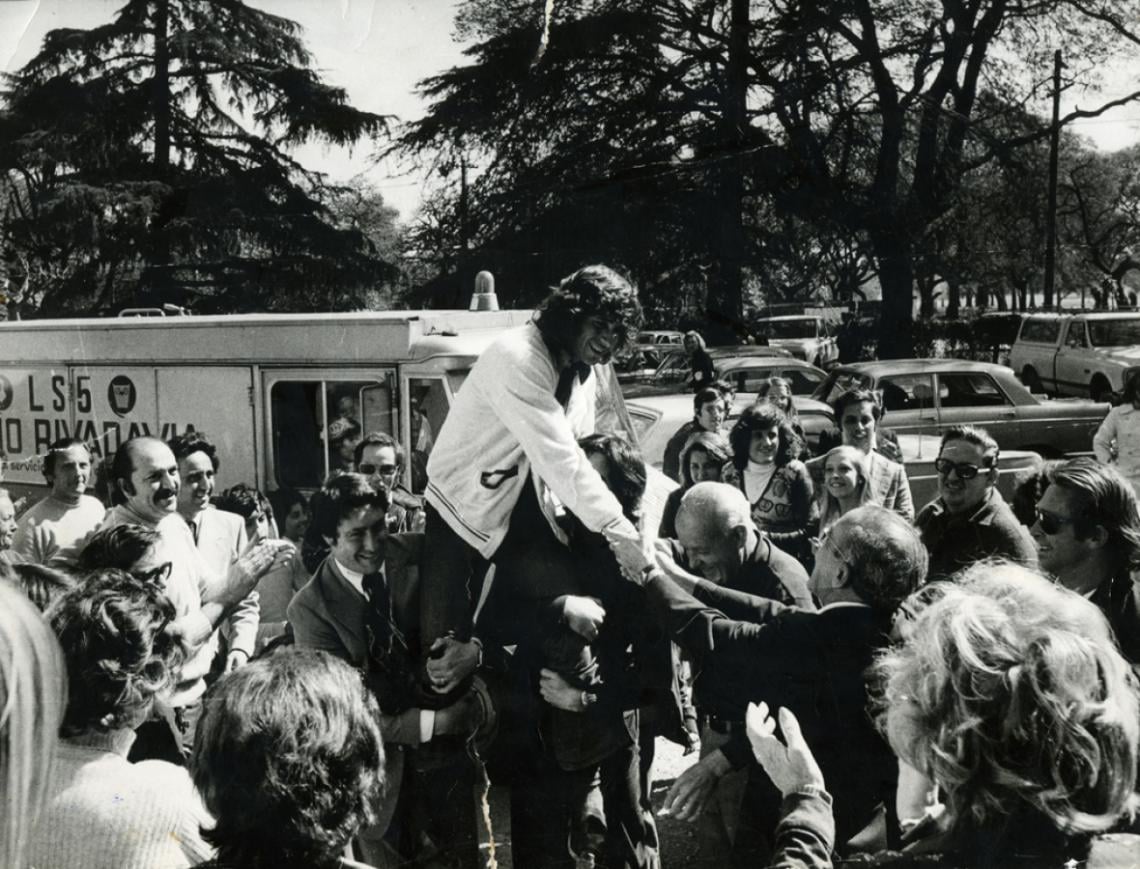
(484, 298)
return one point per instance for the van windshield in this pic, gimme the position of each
(1115, 333)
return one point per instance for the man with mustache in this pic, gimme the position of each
(146, 482)
(54, 531)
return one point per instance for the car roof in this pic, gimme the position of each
(767, 362)
(1086, 315)
(918, 366)
(748, 350)
(790, 317)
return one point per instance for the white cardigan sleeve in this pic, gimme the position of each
(524, 401)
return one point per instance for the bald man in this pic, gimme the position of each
(721, 558)
(868, 562)
(718, 546)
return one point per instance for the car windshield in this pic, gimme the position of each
(839, 382)
(787, 328)
(1114, 333)
(675, 366)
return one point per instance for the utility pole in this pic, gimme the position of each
(1051, 214)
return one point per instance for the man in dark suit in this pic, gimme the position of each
(720, 550)
(362, 605)
(811, 662)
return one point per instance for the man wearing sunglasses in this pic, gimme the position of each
(1088, 537)
(970, 521)
(381, 458)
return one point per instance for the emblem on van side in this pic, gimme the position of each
(121, 395)
(5, 393)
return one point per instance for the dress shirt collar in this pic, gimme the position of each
(355, 579)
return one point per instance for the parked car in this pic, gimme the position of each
(930, 395)
(1077, 354)
(674, 371)
(656, 418)
(660, 338)
(807, 336)
(637, 365)
(748, 373)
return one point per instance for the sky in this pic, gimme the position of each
(376, 49)
(379, 49)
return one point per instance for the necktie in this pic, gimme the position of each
(379, 616)
(566, 381)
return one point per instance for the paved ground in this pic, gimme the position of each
(678, 841)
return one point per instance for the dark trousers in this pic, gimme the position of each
(434, 823)
(531, 565)
(168, 734)
(556, 814)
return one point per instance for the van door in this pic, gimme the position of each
(426, 399)
(315, 418)
(218, 402)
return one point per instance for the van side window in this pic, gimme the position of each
(1076, 336)
(427, 408)
(318, 423)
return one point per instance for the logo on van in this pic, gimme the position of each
(5, 393)
(121, 395)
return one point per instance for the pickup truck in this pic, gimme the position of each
(1088, 354)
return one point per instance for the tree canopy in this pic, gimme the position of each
(691, 140)
(148, 160)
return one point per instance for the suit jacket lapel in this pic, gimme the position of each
(346, 608)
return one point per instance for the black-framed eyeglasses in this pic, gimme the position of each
(965, 470)
(1051, 523)
(158, 575)
(384, 470)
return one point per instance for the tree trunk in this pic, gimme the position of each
(161, 88)
(896, 277)
(953, 298)
(156, 276)
(726, 280)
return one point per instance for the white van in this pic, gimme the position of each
(266, 388)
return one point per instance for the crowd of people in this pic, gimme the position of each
(199, 678)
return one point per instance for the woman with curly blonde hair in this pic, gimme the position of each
(103, 810)
(1011, 695)
(32, 692)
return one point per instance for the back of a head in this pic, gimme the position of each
(625, 469)
(1018, 698)
(288, 758)
(120, 546)
(119, 656)
(241, 499)
(33, 691)
(884, 556)
(42, 584)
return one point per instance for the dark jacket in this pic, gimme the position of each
(805, 838)
(956, 541)
(811, 662)
(1117, 599)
